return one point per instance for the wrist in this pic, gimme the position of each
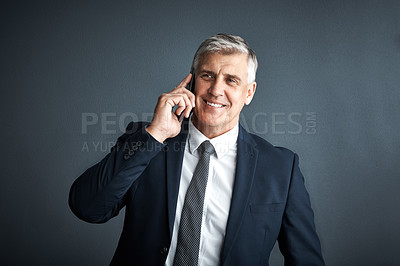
(155, 134)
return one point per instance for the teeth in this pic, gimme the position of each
(214, 104)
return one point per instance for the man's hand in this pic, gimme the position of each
(165, 123)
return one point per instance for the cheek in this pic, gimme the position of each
(200, 87)
(198, 100)
(237, 100)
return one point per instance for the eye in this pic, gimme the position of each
(232, 81)
(206, 76)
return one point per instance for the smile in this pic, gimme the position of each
(214, 104)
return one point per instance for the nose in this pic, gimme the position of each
(217, 88)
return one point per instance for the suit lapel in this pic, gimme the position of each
(175, 149)
(247, 155)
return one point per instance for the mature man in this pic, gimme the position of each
(202, 191)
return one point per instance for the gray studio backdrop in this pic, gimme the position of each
(73, 74)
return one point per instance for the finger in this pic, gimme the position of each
(185, 82)
(184, 104)
(187, 111)
(191, 97)
(177, 100)
(188, 104)
(180, 110)
(188, 93)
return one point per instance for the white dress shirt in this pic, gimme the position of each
(218, 194)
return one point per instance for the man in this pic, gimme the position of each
(202, 191)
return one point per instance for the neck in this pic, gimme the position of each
(210, 131)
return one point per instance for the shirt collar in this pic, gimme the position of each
(222, 144)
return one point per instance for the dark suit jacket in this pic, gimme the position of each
(269, 200)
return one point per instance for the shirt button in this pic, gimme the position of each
(164, 251)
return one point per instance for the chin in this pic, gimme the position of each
(204, 119)
(209, 121)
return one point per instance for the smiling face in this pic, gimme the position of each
(221, 89)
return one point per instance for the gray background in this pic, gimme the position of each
(328, 88)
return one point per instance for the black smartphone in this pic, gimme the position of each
(191, 88)
(191, 83)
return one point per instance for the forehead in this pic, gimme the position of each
(235, 64)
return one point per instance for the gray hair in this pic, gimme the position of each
(227, 44)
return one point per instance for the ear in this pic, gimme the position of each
(251, 89)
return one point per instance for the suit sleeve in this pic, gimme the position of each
(298, 240)
(98, 194)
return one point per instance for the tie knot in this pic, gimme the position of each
(207, 147)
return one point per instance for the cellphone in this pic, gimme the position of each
(191, 83)
(191, 88)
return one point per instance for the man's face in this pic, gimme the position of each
(221, 89)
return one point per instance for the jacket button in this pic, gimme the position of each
(126, 156)
(164, 251)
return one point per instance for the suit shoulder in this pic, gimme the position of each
(264, 145)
